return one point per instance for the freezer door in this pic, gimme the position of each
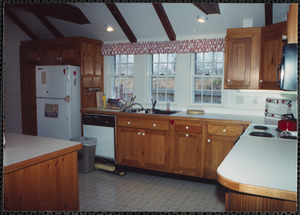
(53, 119)
(53, 81)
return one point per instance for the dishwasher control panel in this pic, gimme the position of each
(98, 119)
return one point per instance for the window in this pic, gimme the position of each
(163, 77)
(208, 78)
(123, 76)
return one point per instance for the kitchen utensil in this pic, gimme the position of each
(287, 123)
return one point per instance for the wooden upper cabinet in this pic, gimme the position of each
(92, 66)
(292, 24)
(61, 54)
(242, 57)
(30, 55)
(238, 61)
(271, 49)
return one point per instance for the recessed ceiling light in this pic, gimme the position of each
(202, 18)
(109, 28)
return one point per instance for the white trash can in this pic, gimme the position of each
(86, 155)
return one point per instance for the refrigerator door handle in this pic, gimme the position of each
(50, 98)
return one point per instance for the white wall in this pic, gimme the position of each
(250, 102)
(11, 76)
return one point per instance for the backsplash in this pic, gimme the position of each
(255, 100)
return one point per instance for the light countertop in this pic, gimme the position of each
(262, 162)
(19, 147)
(262, 120)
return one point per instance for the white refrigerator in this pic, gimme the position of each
(58, 101)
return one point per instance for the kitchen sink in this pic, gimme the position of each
(158, 111)
(150, 111)
(133, 110)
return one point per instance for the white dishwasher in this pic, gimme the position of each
(101, 127)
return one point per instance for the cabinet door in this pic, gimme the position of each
(61, 54)
(28, 99)
(292, 24)
(216, 149)
(51, 55)
(70, 54)
(30, 55)
(92, 66)
(188, 153)
(271, 49)
(238, 62)
(155, 149)
(129, 146)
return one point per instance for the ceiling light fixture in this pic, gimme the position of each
(109, 28)
(202, 18)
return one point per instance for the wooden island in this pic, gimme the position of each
(40, 174)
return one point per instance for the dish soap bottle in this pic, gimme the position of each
(104, 100)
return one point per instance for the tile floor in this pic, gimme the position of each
(104, 191)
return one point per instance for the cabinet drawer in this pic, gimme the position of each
(225, 130)
(144, 123)
(188, 126)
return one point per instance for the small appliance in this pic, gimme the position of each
(287, 69)
(287, 123)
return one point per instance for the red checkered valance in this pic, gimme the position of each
(165, 47)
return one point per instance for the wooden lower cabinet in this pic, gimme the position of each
(219, 140)
(188, 154)
(129, 146)
(236, 201)
(50, 185)
(144, 148)
(187, 148)
(216, 149)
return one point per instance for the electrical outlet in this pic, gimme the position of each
(239, 100)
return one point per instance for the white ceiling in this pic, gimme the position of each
(146, 26)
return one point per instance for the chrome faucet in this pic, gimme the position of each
(153, 104)
(129, 106)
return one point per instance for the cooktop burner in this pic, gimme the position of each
(260, 134)
(289, 137)
(260, 127)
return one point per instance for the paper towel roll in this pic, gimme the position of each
(99, 95)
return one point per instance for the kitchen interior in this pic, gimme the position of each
(165, 107)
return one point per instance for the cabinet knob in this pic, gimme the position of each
(260, 81)
(208, 140)
(154, 125)
(224, 130)
(187, 127)
(228, 80)
(187, 135)
(139, 133)
(128, 123)
(143, 134)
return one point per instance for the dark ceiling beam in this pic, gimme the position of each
(121, 21)
(61, 11)
(268, 13)
(164, 20)
(208, 8)
(20, 24)
(48, 25)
